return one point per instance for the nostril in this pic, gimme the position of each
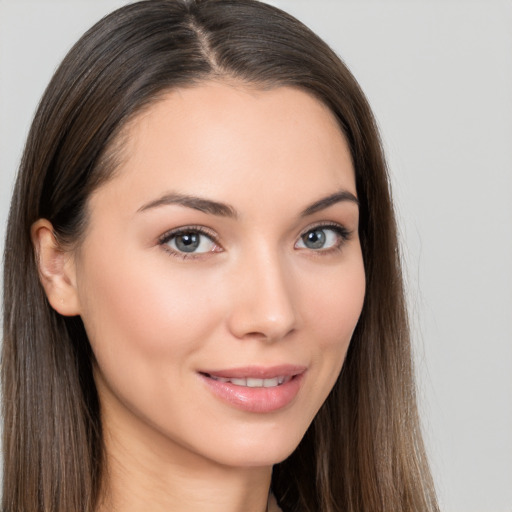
(262, 306)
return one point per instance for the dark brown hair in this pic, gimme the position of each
(364, 451)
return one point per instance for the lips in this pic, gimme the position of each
(255, 389)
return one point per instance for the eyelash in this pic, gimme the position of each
(343, 236)
(343, 233)
(173, 233)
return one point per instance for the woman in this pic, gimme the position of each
(203, 299)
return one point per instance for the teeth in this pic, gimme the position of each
(270, 383)
(220, 379)
(254, 383)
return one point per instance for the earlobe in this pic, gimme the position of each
(56, 269)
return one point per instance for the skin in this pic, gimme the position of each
(255, 294)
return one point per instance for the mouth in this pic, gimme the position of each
(256, 389)
(252, 382)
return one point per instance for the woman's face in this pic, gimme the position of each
(220, 278)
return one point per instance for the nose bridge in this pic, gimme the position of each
(263, 304)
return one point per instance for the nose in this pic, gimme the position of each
(263, 302)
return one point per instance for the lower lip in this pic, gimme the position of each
(259, 400)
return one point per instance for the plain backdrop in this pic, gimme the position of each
(439, 77)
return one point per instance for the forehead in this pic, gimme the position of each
(231, 140)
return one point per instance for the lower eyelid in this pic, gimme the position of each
(342, 234)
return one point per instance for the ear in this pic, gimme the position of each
(56, 269)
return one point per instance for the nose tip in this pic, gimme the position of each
(263, 304)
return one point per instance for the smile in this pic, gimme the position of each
(256, 389)
(251, 382)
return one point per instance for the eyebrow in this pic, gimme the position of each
(196, 203)
(322, 204)
(225, 210)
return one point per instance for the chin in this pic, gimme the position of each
(262, 452)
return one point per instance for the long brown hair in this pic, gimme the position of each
(364, 451)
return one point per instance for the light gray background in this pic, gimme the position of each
(439, 77)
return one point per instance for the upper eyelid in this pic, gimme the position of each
(326, 225)
(343, 234)
(165, 237)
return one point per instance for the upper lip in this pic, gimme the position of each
(258, 372)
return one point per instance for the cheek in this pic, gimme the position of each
(336, 303)
(134, 309)
(333, 310)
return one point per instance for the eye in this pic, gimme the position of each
(323, 238)
(189, 241)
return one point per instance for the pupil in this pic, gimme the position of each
(187, 242)
(315, 239)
